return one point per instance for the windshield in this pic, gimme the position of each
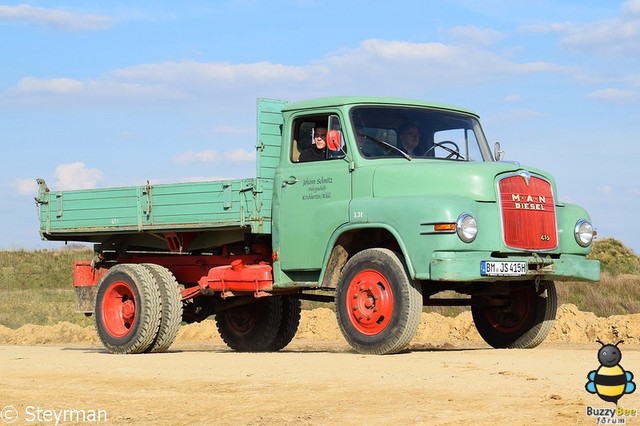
(418, 133)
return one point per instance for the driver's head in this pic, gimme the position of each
(409, 137)
(320, 136)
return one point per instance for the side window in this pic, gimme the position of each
(309, 139)
(302, 138)
(460, 140)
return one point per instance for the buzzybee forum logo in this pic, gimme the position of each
(610, 382)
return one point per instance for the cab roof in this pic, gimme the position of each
(339, 101)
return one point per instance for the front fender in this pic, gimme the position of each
(342, 233)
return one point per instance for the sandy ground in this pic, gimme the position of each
(447, 376)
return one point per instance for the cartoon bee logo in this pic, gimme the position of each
(610, 381)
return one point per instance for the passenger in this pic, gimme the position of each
(409, 139)
(317, 151)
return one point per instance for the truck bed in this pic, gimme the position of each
(96, 214)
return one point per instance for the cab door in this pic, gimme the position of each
(311, 201)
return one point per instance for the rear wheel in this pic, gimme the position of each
(253, 327)
(521, 319)
(171, 316)
(128, 309)
(289, 323)
(378, 307)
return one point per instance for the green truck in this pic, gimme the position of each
(378, 226)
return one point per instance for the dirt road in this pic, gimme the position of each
(315, 380)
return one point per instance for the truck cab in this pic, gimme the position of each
(418, 183)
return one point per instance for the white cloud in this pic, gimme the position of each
(198, 72)
(632, 7)
(604, 189)
(512, 98)
(211, 156)
(240, 156)
(618, 36)
(615, 95)
(474, 35)
(205, 156)
(53, 85)
(381, 66)
(105, 89)
(76, 176)
(26, 187)
(57, 18)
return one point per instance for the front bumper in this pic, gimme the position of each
(465, 266)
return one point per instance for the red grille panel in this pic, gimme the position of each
(528, 213)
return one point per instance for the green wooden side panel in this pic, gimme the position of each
(183, 206)
(202, 203)
(89, 209)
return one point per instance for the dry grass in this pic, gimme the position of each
(42, 307)
(40, 269)
(612, 295)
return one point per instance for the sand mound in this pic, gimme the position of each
(63, 332)
(571, 326)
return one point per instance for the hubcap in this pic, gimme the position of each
(514, 314)
(119, 309)
(243, 320)
(370, 302)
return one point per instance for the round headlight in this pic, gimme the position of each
(583, 232)
(467, 227)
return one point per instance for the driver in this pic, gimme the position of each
(409, 138)
(317, 151)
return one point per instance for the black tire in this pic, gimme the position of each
(523, 319)
(378, 307)
(291, 310)
(128, 309)
(253, 327)
(171, 316)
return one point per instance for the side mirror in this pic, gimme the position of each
(334, 140)
(498, 154)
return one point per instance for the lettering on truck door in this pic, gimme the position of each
(314, 196)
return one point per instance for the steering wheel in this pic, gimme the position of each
(455, 151)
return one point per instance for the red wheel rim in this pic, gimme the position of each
(370, 302)
(515, 315)
(119, 309)
(242, 321)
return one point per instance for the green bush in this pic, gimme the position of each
(615, 258)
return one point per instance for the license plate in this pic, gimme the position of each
(502, 269)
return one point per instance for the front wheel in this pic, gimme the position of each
(521, 319)
(378, 307)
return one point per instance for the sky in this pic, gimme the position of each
(99, 94)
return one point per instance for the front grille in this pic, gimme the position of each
(528, 213)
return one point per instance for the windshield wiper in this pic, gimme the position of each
(388, 145)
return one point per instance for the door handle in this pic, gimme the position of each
(289, 181)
